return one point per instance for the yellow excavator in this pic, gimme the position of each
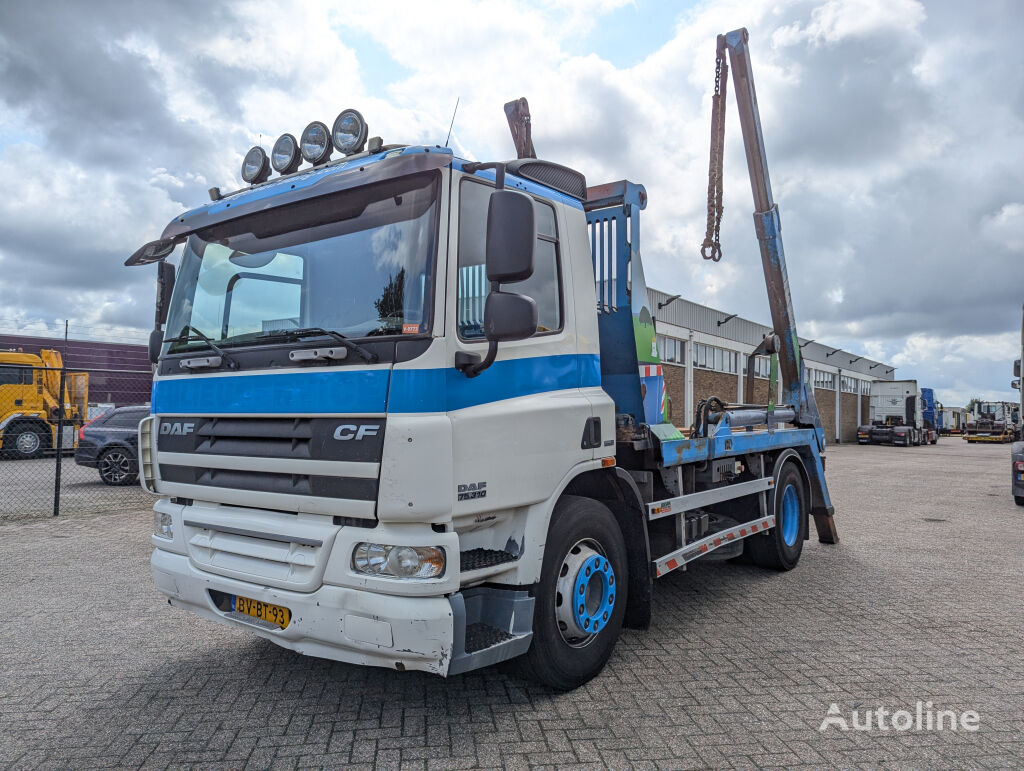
(30, 403)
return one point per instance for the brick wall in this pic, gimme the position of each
(826, 399)
(865, 410)
(707, 383)
(675, 387)
(848, 418)
(761, 391)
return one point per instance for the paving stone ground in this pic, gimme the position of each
(921, 600)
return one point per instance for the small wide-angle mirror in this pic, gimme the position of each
(509, 317)
(156, 339)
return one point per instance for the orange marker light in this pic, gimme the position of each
(606, 462)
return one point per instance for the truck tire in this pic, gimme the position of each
(780, 547)
(583, 586)
(25, 441)
(1019, 500)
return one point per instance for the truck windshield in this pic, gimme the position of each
(359, 262)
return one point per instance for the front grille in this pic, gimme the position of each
(270, 482)
(308, 438)
(327, 466)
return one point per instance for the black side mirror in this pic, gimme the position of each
(1016, 368)
(509, 317)
(164, 287)
(156, 339)
(511, 236)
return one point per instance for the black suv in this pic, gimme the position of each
(110, 443)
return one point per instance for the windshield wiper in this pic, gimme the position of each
(297, 334)
(184, 337)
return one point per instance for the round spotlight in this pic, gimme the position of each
(315, 143)
(349, 132)
(255, 166)
(285, 156)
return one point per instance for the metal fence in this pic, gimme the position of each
(71, 455)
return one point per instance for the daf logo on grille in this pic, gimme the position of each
(346, 432)
(177, 429)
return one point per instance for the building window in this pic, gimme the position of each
(718, 359)
(865, 387)
(670, 350)
(824, 379)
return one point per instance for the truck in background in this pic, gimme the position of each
(30, 403)
(929, 417)
(992, 422)
(406, 408)
(951, 420)
(1017, 448)
(897, 415)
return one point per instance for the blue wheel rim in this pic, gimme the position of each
(790, 515)
(593, 594)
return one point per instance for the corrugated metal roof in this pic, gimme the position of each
(701, 318)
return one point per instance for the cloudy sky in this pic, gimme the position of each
(894, 129)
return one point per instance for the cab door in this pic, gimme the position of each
(518, 426)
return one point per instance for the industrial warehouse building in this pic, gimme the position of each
(704, 353)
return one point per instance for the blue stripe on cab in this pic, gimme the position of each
(293, 392)
(381, 390)
(442, 390)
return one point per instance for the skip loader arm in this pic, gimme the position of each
(773, 259)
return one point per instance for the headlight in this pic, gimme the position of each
(415, 562)
(349, 132)
(285, 156)
(255, 166)
(163, 525)
(315, 143)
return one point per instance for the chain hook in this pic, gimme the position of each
(711, 249)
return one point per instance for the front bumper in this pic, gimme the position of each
(333, 622)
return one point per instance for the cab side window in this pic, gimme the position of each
(543, 286)
(15, 376)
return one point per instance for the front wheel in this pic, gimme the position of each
(25, 442)
(780, 547)
(581, 598)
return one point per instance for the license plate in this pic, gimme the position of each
(264, 611)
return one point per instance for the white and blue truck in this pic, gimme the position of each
(407, 409)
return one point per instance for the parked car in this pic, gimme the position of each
(110, 443)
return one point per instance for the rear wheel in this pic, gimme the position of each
(117, 468)
(581, 598)
(1019, 500)
(780, 547)
(25, 441)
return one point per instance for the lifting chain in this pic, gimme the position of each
(711, 249)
